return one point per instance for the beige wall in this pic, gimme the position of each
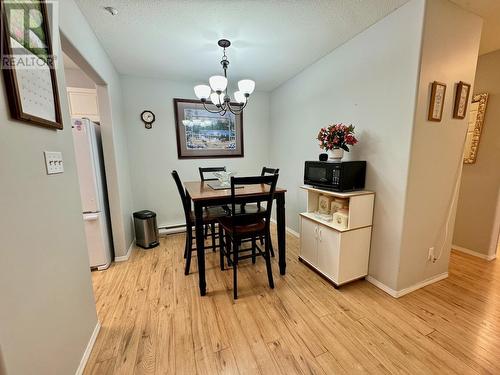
(449, 53)
(476, 228)
(47, 310)
(77, 78)
(80, 37)
(379, 81)
(370, 81)
(153, 187)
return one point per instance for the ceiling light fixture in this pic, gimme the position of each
(216, 92)
(111, 10)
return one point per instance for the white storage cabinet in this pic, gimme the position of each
(339, 254)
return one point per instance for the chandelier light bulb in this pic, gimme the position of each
(246, 86)
(218, 83)
(202, 91)
(216, 98)
(240, 97)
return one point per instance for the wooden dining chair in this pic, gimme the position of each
(255, 207)
(238, 227)
(210, 216)
(204, 171)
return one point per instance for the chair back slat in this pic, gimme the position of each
(269, 182)
(185, 202)
(207, 170)
(266, 170)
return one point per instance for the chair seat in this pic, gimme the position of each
(210, 214)
(243, 230)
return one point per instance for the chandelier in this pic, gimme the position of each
(216, 92)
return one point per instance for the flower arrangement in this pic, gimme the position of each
(337, 136)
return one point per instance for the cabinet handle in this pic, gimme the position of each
(315, 232)
(320, 233)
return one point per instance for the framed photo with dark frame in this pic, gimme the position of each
(438, 92)
(28, 63)
(461, 100)
(202, 134)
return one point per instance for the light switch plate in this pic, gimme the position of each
(54, 162)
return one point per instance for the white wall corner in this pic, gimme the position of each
(88, 349)
(125, 257)
(382, 286)
(402, 292)
(474, 253)
(288, 229)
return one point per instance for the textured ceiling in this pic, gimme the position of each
(273, 40)
(489, 10)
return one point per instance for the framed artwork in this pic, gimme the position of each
(201, 134)
(475, 127)
(28, 63)
(461, 100)
(438, 92)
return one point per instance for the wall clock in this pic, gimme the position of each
(148, 118)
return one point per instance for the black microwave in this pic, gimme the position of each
(343, 176)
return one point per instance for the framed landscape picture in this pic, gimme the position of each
(201, 134)
(28, 63)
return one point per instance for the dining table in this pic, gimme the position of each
(202, 195)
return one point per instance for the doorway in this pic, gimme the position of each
(89, 157)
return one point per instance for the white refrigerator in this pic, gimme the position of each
(90, 166)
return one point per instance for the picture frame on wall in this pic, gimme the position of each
(28, 63)
(202, 134)
(436, 106)
(461, 100)
(475, 124)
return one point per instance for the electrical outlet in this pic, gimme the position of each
(54, 162)
(431, 255)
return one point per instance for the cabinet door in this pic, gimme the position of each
(308, 241)
(328, 252)
(83, 103)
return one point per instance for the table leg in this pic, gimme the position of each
(200, 247)
(281, 224)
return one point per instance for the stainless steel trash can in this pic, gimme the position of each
(146, 230)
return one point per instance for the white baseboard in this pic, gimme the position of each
(125, 257)
(473, 253)
(88, 349)
(402, 292)
(288, 229)
(181, 229)
(382, 286)
(172, 229)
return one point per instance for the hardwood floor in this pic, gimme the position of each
(155, 322)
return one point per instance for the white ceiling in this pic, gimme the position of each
(273, 40)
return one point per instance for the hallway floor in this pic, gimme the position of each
(155, 322)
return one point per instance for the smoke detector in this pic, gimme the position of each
(111, 10)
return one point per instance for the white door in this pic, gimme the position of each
(99, 255)
(328, 252)
(85, 166)
(308, 241)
